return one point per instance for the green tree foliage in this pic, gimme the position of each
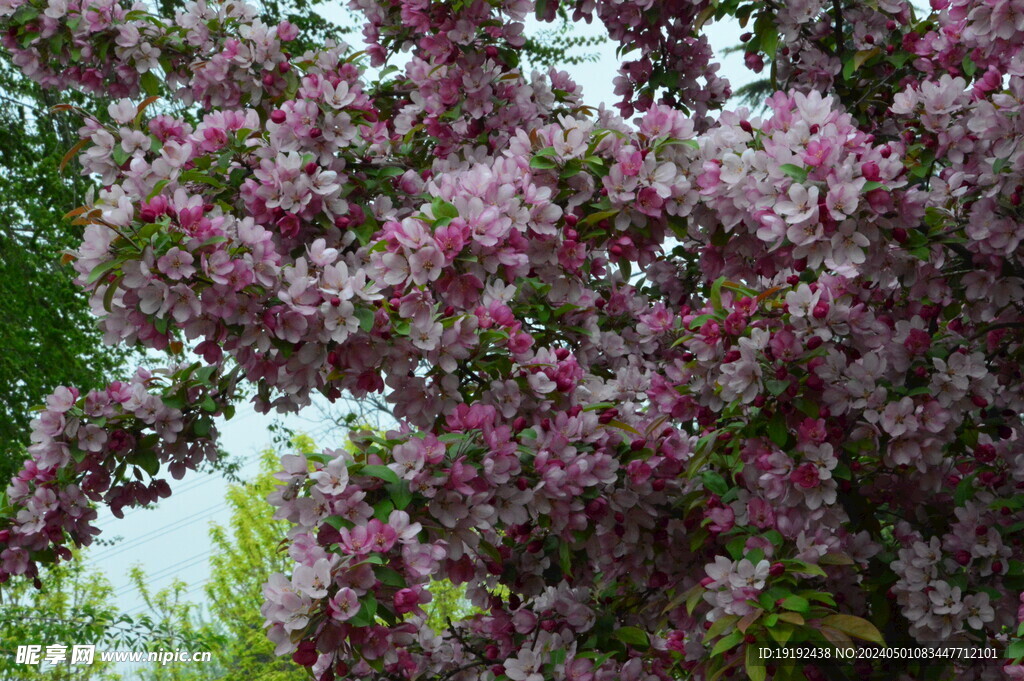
(177, 624)
(47, 334)
(246, 553)
(74, 608)
(560, 44)
(449, 603)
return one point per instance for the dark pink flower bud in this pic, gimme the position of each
(406, 600)
(985, 453)
(805, 475)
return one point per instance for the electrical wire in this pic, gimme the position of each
(168, 571)
(159, 532)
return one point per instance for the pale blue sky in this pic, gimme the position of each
(171, 540)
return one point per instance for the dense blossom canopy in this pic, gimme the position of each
(679, 380)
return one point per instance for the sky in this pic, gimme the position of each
(171, 541)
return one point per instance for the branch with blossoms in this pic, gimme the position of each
(107, 446)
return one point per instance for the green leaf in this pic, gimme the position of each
(338, 522)
(380, 472)
(157, 188)
(807, 407)
(857, 627)
(726, 643)
(147, 231)
(737, 546)
(796, 604)
(969, 67)
(623, 426)
(219, 239)
(564, 557)
(722, 625)
(366, 318)
(756, 670)
(857, 60)
(716, 294)
(389, 577)
(24, 14)
(796, 172)
(382, 510)
(782, 633)
(108, 296)
(715, 482)
(777, 430)
(173, 401)
(203, 375)
(390, 171)
(443, 209)
(633, 636)
(147, 461)
(899, 58)
(97, 272)
(768, 34)
(695, 597)
(964, 490)
(202, 178)
(202, 426)
(804, 568)
(543, 163)
(400, 494)
(366, 614)
(626, 269)
(594, 218)
(150, 83)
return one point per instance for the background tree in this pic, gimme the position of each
(246, 553)
(73, 607)
(49, 336)
(177, 623)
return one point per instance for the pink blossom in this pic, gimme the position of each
(176, 264)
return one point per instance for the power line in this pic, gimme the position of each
(159, 532)
(168, 571)
(154, 534)
(192, 589)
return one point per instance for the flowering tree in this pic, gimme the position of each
(682, 380)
